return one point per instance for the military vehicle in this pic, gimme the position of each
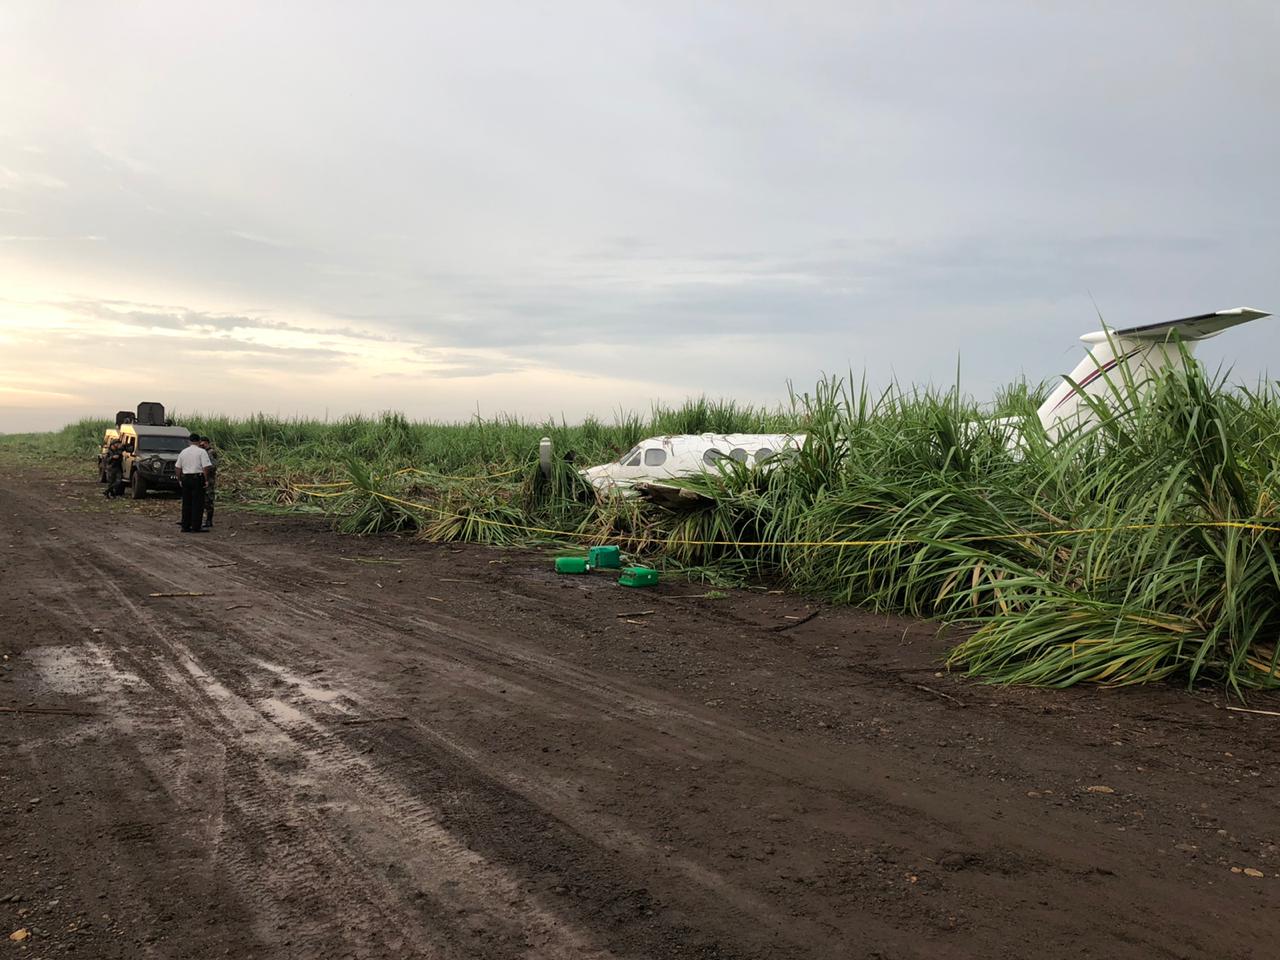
(151, 445)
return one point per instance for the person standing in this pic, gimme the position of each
(211, 481)
(113, 463)
(192, 469)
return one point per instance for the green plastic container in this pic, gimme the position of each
(571, 564)
(604, 558)
(638, 577)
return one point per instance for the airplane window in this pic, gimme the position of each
(739, 454)
(763, 454)
(631, 458)
(711, 456)
(655, 457)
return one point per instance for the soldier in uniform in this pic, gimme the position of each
(211, 482)
(113, 462)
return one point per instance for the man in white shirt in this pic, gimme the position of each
(192, 468)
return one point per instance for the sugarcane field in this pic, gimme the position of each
(596, 481)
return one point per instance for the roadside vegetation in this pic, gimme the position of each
(1144, 548)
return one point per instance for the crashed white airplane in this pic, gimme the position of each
(1138, 352)
(659, 459)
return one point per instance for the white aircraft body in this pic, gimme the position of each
(660, 459)
(1138, 353)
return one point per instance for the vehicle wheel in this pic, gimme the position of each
(137, 486)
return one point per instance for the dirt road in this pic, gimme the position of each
(379, 749)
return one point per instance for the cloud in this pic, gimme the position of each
(11, 179)
(449, 363)
(244, 351)
(154, 316)
(260, 240)
(689, 198)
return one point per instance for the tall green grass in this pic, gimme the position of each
(1113, 555)
(1139, 549)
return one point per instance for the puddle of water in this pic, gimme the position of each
(211, 685)
(84, 670)
(307, 688)
(318, 693)
(251, 725)
(281, 711)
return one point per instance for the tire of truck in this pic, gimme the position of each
(137, 485)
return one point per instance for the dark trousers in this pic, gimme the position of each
(192, 500)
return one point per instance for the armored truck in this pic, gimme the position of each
(151, 445)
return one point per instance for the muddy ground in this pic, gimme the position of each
(377, 748)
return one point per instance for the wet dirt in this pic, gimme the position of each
(375, 748)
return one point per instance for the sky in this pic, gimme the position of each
(563, 208)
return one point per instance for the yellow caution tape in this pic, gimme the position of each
(888, 542)
(445, 476)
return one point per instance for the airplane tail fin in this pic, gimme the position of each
(1135, 355)
(1200, 327)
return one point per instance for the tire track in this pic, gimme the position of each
(359, 796)
(933, 818)
(335, 831)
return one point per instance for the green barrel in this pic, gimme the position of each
(571, 564)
